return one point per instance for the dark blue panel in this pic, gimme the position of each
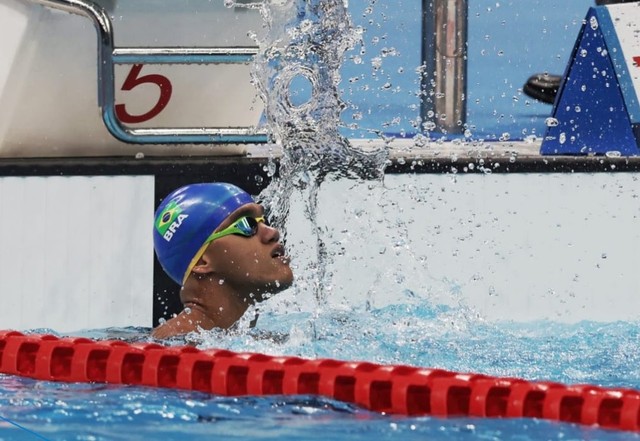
(590, 116)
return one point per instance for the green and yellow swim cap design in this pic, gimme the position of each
(167, 216)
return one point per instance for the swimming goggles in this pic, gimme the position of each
(246, 226)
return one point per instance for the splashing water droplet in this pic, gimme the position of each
(271, 167)
(551, 122)
(562, 138)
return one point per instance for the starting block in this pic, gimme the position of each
(597, 109)
(160, 73)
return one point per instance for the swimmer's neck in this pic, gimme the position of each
(205, 307)
(222, 314)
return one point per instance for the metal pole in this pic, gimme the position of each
(444, 64)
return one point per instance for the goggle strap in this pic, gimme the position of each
(195, 259)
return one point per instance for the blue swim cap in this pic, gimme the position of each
(186, 218)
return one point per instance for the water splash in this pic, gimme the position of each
(301, 52)
(305, 41)
(297, 74)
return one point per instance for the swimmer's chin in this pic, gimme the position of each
(270, 290)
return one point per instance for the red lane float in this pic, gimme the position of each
(403, 390)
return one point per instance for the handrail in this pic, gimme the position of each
(108, 56)
(443, 84)
(174, 55)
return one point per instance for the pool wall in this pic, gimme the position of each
(75, 251)
(519, 246)
(524, 246)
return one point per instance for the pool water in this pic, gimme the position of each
(69, 413)
(422, 335)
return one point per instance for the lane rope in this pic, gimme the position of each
(391, 389)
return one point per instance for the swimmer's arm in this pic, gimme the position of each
(170, 328)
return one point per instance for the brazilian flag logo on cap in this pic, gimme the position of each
(167, 216)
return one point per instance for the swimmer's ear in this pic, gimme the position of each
(204, 265)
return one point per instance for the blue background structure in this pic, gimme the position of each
(591, 115)
(508, 42)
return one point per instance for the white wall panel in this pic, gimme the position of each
(76, 252)
(521, 247)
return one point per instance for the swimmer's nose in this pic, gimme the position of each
(269, 233)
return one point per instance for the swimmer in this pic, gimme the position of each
(213, 240)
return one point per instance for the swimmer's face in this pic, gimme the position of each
(255, 265)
